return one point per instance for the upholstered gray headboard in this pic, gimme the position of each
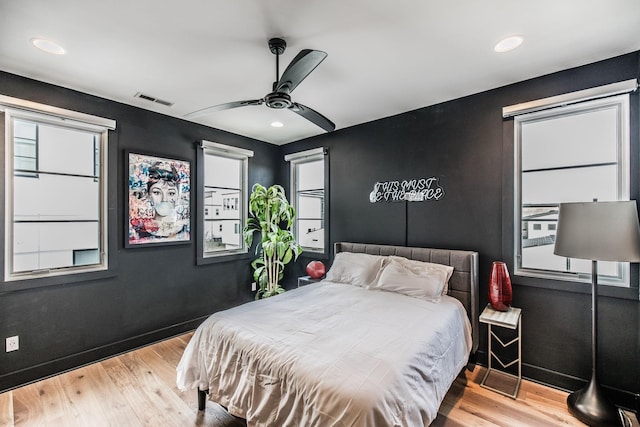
(463, 284)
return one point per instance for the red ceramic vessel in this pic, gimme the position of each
(316, 269)
(500, 293)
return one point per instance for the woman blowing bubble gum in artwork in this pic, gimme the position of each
(158, 203)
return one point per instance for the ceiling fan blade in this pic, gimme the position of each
(301, 66)
(313, 116)
(221, 107)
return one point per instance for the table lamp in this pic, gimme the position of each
(597, 231)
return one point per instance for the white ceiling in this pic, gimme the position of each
(384, 57)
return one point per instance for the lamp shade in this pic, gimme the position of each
(599, 231)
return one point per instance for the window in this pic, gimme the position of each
(55, 191)
(308, 183)
(570, 153)
(225, 186)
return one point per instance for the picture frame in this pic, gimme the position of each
(158, 200)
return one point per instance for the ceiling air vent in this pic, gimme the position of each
(153, 99)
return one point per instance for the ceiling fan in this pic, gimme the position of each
(299, 68)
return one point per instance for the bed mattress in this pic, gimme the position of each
(330, 354)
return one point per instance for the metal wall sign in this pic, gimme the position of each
(412, 190)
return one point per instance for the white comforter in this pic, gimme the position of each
(330, 354)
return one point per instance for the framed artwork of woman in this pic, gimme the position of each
(159, 200)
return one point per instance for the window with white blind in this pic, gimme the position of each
(225, 193)
(308, 197)
(570, 153)
(55, 191)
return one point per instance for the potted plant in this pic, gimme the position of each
(272, 216)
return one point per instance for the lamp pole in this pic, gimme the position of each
(589, 404)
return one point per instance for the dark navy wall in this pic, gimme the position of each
(462, 143)
(161, 292)
(156, 292)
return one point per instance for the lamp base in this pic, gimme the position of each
(591, 406)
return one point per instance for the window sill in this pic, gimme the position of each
(578, 287)
(40, 282)
(216, 259)
(314, 255)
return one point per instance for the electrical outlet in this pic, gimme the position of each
(12, 343)
(253, 287)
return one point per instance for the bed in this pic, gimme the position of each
(363, 347)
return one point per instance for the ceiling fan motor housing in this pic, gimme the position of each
(277, 46)
(278, 100)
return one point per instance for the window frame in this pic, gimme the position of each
(307, 156)
(35, 157)
(15, 108)
(621, 104)
(511, 203)
(206, 148)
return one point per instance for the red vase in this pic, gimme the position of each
(315, 269)
(500, 293)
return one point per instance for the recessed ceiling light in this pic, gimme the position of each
(277, 124)
(507, 44)
(48, 46)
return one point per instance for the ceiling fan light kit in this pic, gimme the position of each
(300, 67)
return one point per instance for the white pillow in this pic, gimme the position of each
(416, 279)
(426, 267)
(357, 269)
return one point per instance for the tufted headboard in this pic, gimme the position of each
(463, 284)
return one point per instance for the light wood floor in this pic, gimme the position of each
(138, 389)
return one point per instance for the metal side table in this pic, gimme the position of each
(504, 319)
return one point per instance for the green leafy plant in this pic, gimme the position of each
(272, 216)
